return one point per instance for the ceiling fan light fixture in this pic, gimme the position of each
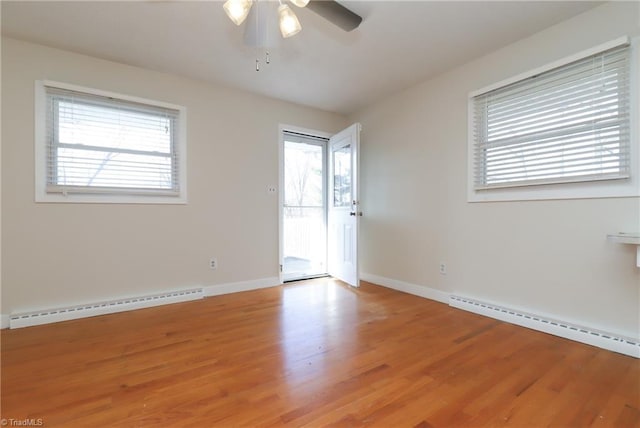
(300, 3)
(289, 24)
(237, 10)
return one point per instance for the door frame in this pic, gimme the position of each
(300, 130)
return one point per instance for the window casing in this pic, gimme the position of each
(566, 124)
(93, 146)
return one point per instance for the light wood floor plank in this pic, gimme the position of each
(314, 353)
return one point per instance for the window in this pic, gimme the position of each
(342, 176)
(566, 124)
(96, 146)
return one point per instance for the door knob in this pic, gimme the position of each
(352, 213)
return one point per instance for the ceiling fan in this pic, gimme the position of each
(331, 10)
(260, 25)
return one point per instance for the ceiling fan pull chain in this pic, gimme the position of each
(257, 64)
(267, 58)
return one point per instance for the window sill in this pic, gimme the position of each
(78, 198)
(628, 188)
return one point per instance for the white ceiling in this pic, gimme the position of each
(397, 45)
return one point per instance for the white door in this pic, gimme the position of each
(344, 213)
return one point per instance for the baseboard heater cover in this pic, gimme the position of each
(28, 319)
(611, 342)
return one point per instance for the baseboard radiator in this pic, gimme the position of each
(28, 319)
(623, 345)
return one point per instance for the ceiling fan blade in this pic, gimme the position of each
(335, 13)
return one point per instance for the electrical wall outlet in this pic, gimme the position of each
(213, 263)
(443, 269)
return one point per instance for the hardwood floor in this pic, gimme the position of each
(315, 353)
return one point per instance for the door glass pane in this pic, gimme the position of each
(304, 232)
(342, 177)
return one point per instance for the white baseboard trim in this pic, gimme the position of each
(605, 340)
(615, 342)
(76, 311)
(405, 287)
(236, 287)
(85, 310)
(4, 321)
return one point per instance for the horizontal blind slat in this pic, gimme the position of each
(553, 88)
(557, 151)
(619, 60)
(541, 94)
(561, 180)
(592, 126)
(579, 102)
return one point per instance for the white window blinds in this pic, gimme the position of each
(568, 124)
(99, 144)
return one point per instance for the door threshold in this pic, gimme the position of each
(304, 278)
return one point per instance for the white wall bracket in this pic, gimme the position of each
(627, 238)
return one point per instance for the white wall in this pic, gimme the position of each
(61, 254)
(550, 257)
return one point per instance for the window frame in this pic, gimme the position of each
(119, 196)
(575, 189)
